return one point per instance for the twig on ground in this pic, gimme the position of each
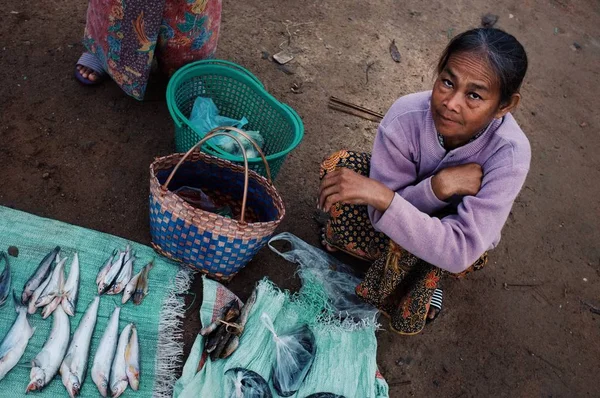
(399, 383)
(507, 285)
(592, 307)
(367, 70)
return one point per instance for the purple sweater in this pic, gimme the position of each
(407, 153)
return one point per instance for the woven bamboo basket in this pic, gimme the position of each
(207, 242)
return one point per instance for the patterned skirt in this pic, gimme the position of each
(398, 283)
(125, 36)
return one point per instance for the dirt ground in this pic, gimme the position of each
(519, 328)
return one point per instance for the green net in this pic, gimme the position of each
(157, 318)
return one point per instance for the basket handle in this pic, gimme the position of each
(223, 131)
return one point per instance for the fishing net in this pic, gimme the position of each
(158, 318)
(339, 343)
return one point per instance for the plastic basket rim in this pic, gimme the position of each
(248, 80)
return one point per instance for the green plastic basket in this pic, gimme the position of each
(237, 93)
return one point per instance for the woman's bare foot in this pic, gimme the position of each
(435, 304)
(87, 73)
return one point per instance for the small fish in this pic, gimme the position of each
(130, 288)
(112, 273)
(106, 267)
(230, 347)
(123, 277)
(118, 371)
(31, 308)
(5, 279)
(49, 309)
(74, 366)
(231, 312)
(41, 274)
(132, 360)
(45, 365)
(245, 311)
(71, 288)
(54, 287)
(106, 353)
(141, 288)
(14, 343)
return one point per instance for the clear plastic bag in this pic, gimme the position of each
(294, 354)
(244, 383)
(339, 281)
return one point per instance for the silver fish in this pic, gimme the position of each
(5, 279)
(118, 371)
(141, 288)
(74, 366)
(49, 309)
(71, 289)
(106, 267)
(106, 353)
(130, 288)
(31, 308)
(123, 277)
(112, 273)
(16, 340)
(45, 364)
(41, 274)
(132, 360)
(54, 287)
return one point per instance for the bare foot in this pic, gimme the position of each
(87, 73)
(433, 312)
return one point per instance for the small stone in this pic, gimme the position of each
(585, 279)
(510, 16)
(46, 175)
(532, 113)
(583, 124)
(576, 45)
(13, 251)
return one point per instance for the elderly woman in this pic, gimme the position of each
(433, 197)
(123, 39)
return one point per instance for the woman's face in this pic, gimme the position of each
(465, 99)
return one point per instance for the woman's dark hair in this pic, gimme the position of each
(503, 51)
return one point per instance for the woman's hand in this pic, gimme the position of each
(460, 180)
(347, 186)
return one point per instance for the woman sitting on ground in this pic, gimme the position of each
(433, 197)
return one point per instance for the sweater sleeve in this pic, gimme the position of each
(455, 242)
(392, 165)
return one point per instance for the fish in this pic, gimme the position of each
(244, 383)
(244, 313)
(118, 371)
(325, 395)
(71, 288)
(106, 353)
(14, 343)
(141, 288)
(41, 274)
(232, 344)
(106, 267)
(132, 360)
(46, 363)
(5, 279)
(112, 273)
(55, 285)
(124, 275)
(74, 366)
(130, 288)
(49, 309)
(31, 308)
(231, 312)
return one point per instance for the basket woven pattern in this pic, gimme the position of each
(236, 95)
(207, 242)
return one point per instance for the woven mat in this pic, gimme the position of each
(157, 318)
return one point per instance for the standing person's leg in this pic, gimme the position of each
(189, 32)
(349, 228)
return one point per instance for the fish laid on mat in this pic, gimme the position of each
(74, 366)
(41, 274)
(45, 365)
(71, 288)
(54, 287)
(31, 308)
(130, 288)
(232, 312)
(49, 309)
(118, 371)
(106, 353)
(244, 383)
(132, 360)
(5, 279)
(16, 340)
(141, 287)
(106, 267)
(108, 279)
(124, 275)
